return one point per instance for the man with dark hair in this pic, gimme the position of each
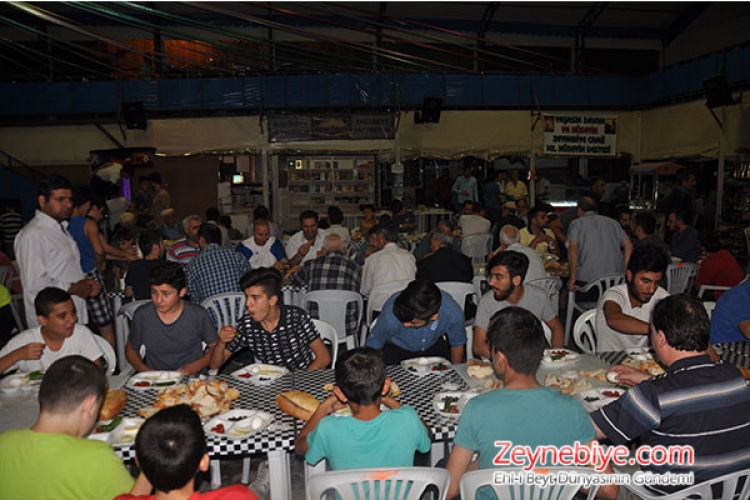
(682, 198)
(697, 403)
(276, 334)
(262, 249)
(685, 243)
(594, 243)
(624, 311)
(510, 239)
(305, 244)
(420, 321)
(160, 201)
(188, 248)
(171, 450)
(466, 187)
(142, 201)
(536, 235)
(474, 222)
(625, 218)
(216, 270)
(507, 271)
(212, 217)
(336, 225)
(58, 335)
(73, 467)
(401, 219)
(172, 330)
(644, 227)
(719, 267)
(371, 437)
(523, 413)
(390, 263)
(46, 253)
(137, 284)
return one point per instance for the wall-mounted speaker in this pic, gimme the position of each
(717, 92)
(133, 115)
(431, 108)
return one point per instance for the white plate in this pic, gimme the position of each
(427, 366)
(155, 380)
(124, 434)
(461, 398)
(595, 398)
(559, 357)
(260, 374)
(239, 424)
(640, 354)
(16, 382)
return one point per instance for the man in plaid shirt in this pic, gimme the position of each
(331, 270)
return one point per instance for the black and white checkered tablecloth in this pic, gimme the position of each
(736, 353)
(417, 392)
(280, 434)
(612, 357)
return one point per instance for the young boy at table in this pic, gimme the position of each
(52, 459)
(173, 330)
(58, 335)
(171, 449)
(371, 438)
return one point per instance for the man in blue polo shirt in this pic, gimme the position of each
(697, 402)
(420, 321)
(730, 321)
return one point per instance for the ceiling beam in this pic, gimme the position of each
(583, 26)
(687, 16)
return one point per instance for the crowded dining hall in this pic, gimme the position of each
(435, 250)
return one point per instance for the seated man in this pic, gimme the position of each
(57, 336)
(697, 403)
(137, 283)
(685, 243)
(507, 271)
(172, 330)
(644, 227)
(424, 246)
(624, 311)
(262, 249)
(420, 321)
(444, 263)
(730, 321)
(304, 244)
(523, 413)
(171, 450)
(403, 221)
(276, 334)
(371, 438)
(390, 263)
(475, 222)
(53, 459)
(188, 248)
(537, 235)
(510, 239)
(719, 267)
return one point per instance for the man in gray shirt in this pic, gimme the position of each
(507, 271)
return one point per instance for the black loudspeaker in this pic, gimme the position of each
(133, 114)
(717, 92)
(431, 108)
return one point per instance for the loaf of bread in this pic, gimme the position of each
(114, 401)
(479, 369)
(395, 389)
(298, 404)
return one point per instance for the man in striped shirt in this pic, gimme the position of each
(185, 250)
(696, 403)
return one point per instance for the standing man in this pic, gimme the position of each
(420, 321)
(142, 201)
(697, 403)
(493, 194)
(187, 248)
(507, 271)
(624, 311)
(262, 249)
(682, 197)
(685, 243)
(216, 270)
(391, 263)
(515, 189)
(465, 187)
(536, 235)
(594, 243)
(332, 270)
(305, 244)
(46, 253)
(161, 200)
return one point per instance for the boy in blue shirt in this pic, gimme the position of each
(371, 437)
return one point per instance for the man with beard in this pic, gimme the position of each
(507, 272)
(624, 311)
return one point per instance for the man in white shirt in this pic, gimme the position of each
(305, 244)
(262, 249)
(57, 336)
(624, 311)
(475, 223)
(47, 254)
(510, 239)
(391, 263)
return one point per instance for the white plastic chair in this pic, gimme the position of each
(716, 288)
(547, 333)
(404, 483)
(472, 481)
(332, 306)
(732, 488)
(469, 342)
(710, 306)
(107, 353)
(460, 291)
(477, 246)
(378, 296)
(552, 285)
(328, 332)
(680, 277)
(584, 332)
(225, 308)
(601, 284)
(122, 330)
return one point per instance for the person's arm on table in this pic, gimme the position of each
(219, 353)
(744, 328)
(459, 462)
(322, 356)
(627, 375)
(621, 322)
(134, 358)
(481, 348)
(26, 352)
(328, 406)
(200, 363)
(457, 354)
(558, 332)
